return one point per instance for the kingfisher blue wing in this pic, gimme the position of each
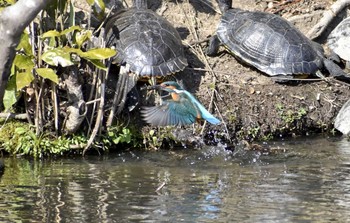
(169, 113)
(204, 113)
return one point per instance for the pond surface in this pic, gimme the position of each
(309, 182)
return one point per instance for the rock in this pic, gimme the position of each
(338, 40)
(342, 121)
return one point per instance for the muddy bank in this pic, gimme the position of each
(251, 105)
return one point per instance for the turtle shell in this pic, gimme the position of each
(268, 42)
(145, 41)
(339, 39)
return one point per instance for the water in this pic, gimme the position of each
(309, 182)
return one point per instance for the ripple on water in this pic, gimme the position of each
(308, 183)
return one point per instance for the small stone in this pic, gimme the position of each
(270, 5)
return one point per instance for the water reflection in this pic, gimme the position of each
(308, 183)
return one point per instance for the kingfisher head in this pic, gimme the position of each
(170, 86)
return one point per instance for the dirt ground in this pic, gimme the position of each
(251, 105)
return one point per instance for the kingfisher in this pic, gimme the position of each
(181, 108)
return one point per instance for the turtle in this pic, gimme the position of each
(339, 41)
(147, 45)
(269, 43)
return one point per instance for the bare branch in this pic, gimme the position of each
(23, 116)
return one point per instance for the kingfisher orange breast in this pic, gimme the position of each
(175, 97)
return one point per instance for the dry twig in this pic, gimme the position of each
(99, 117)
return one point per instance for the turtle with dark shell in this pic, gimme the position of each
(147, 45)
(269, 43)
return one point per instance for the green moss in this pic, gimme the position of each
(289, 116)
(267, 137)
(253, 132)
(154, 138)
(20, 138)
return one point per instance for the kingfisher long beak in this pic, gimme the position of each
(152, 87)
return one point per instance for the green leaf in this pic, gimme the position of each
(126, 135)
(23, 62)
(51, 33)
(11, 93)
(98, 54)
(110, 134)
(82, 36)
(99, 6)
(55, 33)
(11, 2)
(21, 130)
(52, 42)
(151, 132)
(93, 54)
(70, 29)
(56, 57)
(47, 73)
(116, 140)
(24, 44)
(99, 9)
(90, 2)
(98, 64)
(71, 14)
(68, 49)
(23, 79)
